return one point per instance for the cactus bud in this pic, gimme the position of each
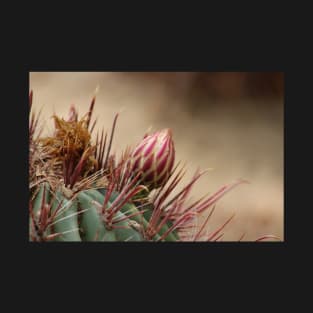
(154, 157)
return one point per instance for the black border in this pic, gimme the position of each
(255, 38)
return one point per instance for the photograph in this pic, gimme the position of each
(156, 156)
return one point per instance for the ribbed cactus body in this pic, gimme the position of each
(80, 218)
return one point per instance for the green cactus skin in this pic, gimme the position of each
(43, 196)
(66, 223)
(130, 208)
(80, 219)
(44, 187)
(127, 208)
(91, 226)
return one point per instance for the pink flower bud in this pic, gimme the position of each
(154, 157)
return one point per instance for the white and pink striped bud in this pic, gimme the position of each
(154, 157)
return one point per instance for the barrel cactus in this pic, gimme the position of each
(80, 191)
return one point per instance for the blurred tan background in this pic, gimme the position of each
(229, 121)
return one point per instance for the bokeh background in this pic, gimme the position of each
(230, 122)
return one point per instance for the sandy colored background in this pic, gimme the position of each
(231, 122)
